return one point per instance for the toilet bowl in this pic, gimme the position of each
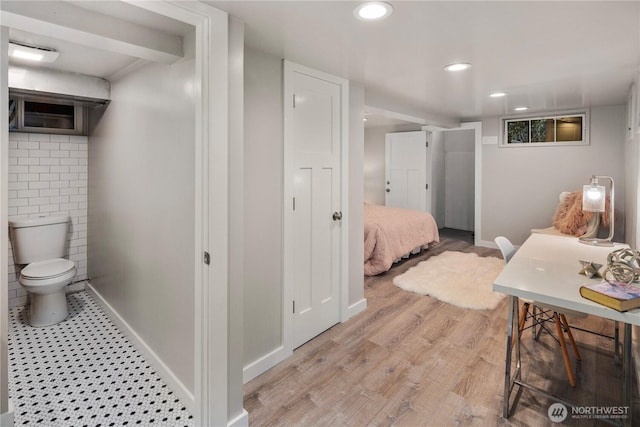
(45, 282)
(39, 245)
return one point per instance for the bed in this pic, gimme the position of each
(393, 233)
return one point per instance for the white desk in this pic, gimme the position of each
(545, 269)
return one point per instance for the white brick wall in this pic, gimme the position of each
(48, 176)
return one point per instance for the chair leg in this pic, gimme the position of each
(565, 352)
(571, 340)
(522, 320)
(523, 317)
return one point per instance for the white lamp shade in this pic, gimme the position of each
(593, 198)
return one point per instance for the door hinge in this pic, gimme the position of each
(294, 203)
(426, 186)
(294, 307)
(207, 258)
(427, 142)
(294, 101)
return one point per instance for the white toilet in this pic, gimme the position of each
(41, 243)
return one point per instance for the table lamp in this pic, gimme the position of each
(594, 200)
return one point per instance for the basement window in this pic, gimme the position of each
(46, 115)
(541, 131)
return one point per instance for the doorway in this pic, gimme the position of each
(209, 355)
(456, 176)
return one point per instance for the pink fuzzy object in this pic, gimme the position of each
(571, 219)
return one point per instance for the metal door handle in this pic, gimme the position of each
(337, 216)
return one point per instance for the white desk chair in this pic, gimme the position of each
(539, 318)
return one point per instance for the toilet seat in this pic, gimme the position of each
(49, 269)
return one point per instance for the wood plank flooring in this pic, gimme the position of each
(411, 360)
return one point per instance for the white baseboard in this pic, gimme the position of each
(276, 356)
(486, 244)
(6, 419)
(241, 420)
(264, 363)
(163, 371)
(356, 308)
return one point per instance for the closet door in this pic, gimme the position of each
(406, 170)
(313, 147)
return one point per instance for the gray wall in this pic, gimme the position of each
(459, 172)
(520, 186)
(141, 209)
(264, 145)
(437, 177)
(264, 138)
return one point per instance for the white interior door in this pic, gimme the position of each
(316, 213)
(406, 170)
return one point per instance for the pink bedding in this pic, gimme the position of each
(390, 233)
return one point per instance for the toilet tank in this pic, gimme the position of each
(39, 239)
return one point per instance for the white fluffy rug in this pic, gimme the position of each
(458, 278)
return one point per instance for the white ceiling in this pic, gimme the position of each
(546, 55)
(87, 56)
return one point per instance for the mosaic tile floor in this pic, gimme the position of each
(84, 372)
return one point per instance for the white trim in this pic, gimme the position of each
(264, 363)
(5, 408)
(344, 195)
(241, 420)
(7, 418)
(477, 217)
(393, 115)
(555, 115)
(163, 371)
(287, 238)
(486, 244)
(356, 308)
(287, 292)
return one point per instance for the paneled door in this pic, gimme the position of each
(406, 170)
(314, 149)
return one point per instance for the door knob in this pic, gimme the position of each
(337, 216)
(387, 190)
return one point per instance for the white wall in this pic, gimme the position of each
(48, 176)
(141, 209)
(520, 186)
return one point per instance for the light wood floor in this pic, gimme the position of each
(411, 360)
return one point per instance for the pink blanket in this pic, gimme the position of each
(390, 233)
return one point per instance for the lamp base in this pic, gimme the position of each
(592, 241)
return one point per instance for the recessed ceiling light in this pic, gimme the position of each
(26, 52)
(459, 66)
(372, 11)
(498, 94)
(521, 108)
